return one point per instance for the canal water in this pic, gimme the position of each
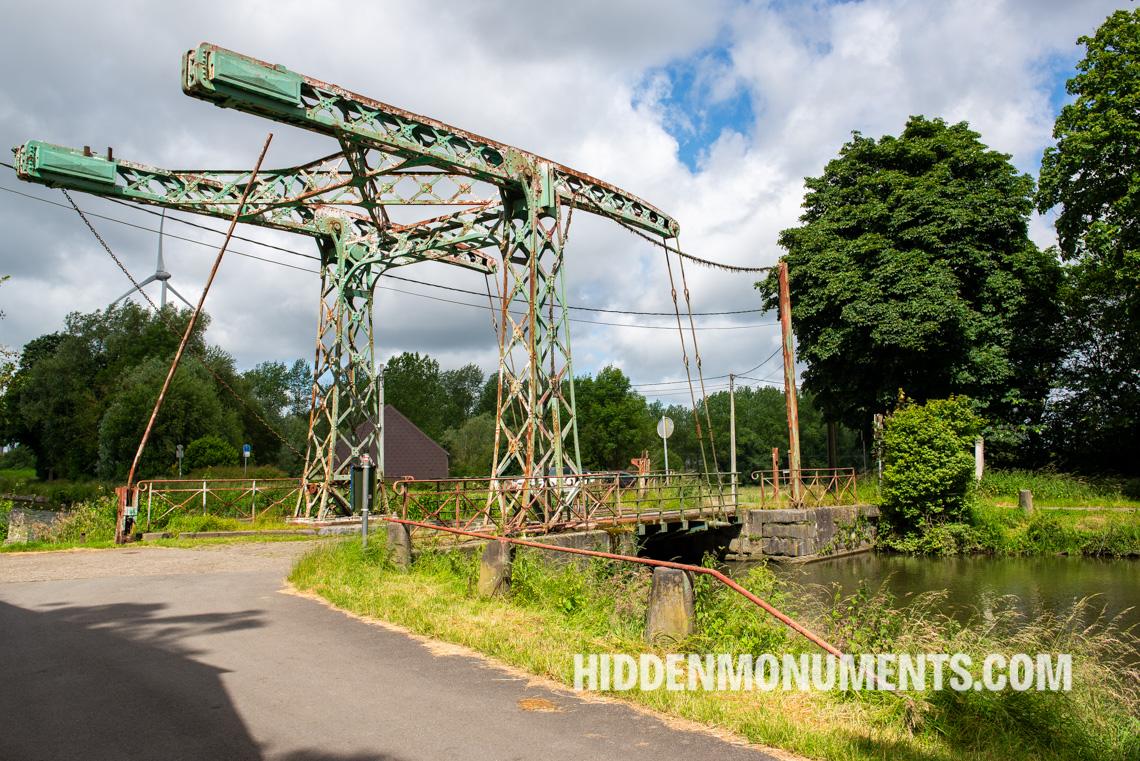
(1037, 583)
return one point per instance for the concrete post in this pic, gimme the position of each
(1025, 501)
(979, 458)
(672, 608)
(495, 569)
(400, 544)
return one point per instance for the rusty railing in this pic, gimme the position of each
(243, 498)
(820, 486)
(510, 505)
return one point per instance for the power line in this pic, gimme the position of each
(293, 252)
(714, 377)
(746, 326)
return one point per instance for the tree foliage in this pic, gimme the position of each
(614, 423)
(192, 409)
(928, 463)
(210, 450)
(80, 398)
(1092, 177)
(913, 269)
(412, 384)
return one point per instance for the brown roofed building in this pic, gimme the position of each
(408, 451)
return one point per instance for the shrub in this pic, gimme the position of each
(210, 450)
(5, 512)
(92, 521)
(928, 462)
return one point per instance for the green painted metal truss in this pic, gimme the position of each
(503, 212)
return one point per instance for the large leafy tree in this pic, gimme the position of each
(1092, 177)
(614, 422)
(913, 270)
(463, 387)
(413, 385)
(80, 398)
(192, 409)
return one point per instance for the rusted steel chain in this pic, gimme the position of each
(685, 361)
(700, 376)
(767, 607)
(194, 315)
(703, 262)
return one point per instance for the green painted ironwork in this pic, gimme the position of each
(504, 212)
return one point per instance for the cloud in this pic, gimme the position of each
(616, 89)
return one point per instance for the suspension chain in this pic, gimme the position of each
(685, 361)
(700, 371)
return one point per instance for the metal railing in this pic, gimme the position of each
(509, 505)
(819, 487)
(248, 499)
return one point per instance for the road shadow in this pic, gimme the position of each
(116, 682)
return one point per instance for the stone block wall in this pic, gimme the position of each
(806, 533)
(26, 525)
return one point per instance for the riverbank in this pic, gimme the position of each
(996, 530)
(553, 613)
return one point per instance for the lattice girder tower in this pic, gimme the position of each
(500, 210)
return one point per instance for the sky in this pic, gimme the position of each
(714, 112)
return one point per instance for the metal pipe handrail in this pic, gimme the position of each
(782, 617)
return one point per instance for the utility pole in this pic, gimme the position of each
(790, 385)
(732, 434)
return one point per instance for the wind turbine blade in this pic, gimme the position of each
(179, 295)
(161, 224)
(150, 279)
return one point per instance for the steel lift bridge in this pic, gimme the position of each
(506, 213)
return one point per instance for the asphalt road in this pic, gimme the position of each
(199, 654)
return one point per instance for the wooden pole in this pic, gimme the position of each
(119, 533)
(790, 386)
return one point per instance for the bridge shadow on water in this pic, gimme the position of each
(118, 682)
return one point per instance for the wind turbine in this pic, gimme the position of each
(160, 276)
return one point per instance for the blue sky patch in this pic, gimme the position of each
(700, 98)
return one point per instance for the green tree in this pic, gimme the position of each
(614, 423)
(412, 384)
(300, 385)
(488, 401)
(1092, 176)
(210, 450)
(913, 269)
(269, 384)
(463, 388)
(471, 446)
(191, 410)
(928, 463)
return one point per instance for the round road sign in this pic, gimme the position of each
(665, 427)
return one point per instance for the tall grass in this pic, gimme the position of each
(555, 611)
(1060, 489)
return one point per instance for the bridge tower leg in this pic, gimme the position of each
(346, 390)
(536, 429)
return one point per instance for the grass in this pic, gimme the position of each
(91, 525)
(999, 530)
(185, 523)
(551, 613)
(1050, 489)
